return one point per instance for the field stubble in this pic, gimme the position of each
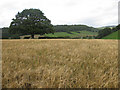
(59, 63)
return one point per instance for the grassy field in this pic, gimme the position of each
(58, 34)
(62, 34)
(114, 35)
(73, 34)
(60, 63)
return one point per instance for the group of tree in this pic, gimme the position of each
(4, 33)
(33, 21)
(30, 22)
(106, 31)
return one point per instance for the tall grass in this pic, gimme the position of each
(60, 63)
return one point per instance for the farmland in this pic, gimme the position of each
(60, 31)
(54, 63)
(74, 34)
(113, 35)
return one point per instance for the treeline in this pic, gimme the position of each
(57, 28)
(106, 31)
(67, 28)
(4, 34)
(75, 28)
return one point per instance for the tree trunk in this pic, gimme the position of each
(32, 36)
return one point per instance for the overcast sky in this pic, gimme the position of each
(94, 13)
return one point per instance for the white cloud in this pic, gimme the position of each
(89, 12)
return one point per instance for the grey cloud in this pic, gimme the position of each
(88, 12)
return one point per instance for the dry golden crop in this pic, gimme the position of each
(60, 63)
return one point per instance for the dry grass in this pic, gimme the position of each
(60, 63)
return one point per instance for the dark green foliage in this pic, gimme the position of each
(67, 37)
(75, 28)
(78, 32)
(26, 37)
(117, 27)
(106, 31)
(84, 37)
(90, 37)
(77, 38)
(4, 32)
(114, 35)
(30, 22)
(15, 36)
(6, 35)
(69, 33)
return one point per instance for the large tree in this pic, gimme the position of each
(31, 21)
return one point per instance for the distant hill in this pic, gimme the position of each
(110, 26)
(74, 28)
(69, 31)
(62, 31)
(107, 26)
(113, 35)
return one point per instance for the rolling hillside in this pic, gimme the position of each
(77, 35)
(72, 34)
(61, 31)
(114, 35)
(106, 26)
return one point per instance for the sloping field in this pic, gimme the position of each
(60, 63)
(73, 34)
(113, 35)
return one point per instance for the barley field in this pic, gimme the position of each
(60, 63)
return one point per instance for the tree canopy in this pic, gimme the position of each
(31, 21)
(106, 31)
